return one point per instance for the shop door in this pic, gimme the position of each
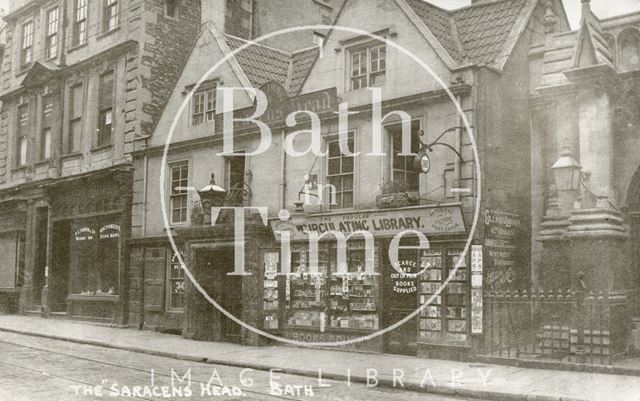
(40, 262)
(400, 300)
(59, 274)
(229, 295)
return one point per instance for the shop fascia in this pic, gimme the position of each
(285, 230)
(291, 112)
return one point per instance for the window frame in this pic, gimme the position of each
(110, 15)
(22, 137)
(51, 41)
(365, 50)
(183, 194)
(46, 118)
(80, 26)
(104, 109)
(170, 279)
(26, 50)
(73, 119)
(176, 8)
(204, 110)
(339, 195)
(390, 169)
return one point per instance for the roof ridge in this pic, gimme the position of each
(476, 5)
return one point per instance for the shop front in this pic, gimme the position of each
(368, 293)
(89, 225)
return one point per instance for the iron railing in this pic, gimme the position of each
(562, 325)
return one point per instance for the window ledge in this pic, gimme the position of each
(43, 162)
(108, 33)
(71, 155)
(101, 148)
(19, 169)
(76, 47)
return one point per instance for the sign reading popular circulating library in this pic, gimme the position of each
(385, 223)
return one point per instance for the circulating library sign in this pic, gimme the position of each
(383, 223)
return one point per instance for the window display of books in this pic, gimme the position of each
(270, 307)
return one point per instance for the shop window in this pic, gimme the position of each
(444, 321)
(171, 8)
(105, 111)
(629, 47)
(204, 105)
(340, 174)
(20, 255)
(368, 65)
(94, 260)
(239, 18)
(329, 299)
(51, 41)
(45, 134)
(22, 135)
(74, 134)
(176, 283)
(80, 22)
(179, 194)
(402, 171)
(26, 50)
(110, 15)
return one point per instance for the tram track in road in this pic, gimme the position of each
(263, 395)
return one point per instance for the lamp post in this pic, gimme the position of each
(567, 173)
(211, 195)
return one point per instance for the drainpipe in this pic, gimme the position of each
(458, 145)
(283, 175)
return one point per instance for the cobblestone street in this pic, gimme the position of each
(34, 369)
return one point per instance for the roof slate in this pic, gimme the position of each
(262, 64)
(481, 29)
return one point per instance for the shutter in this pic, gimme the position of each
(155, 268)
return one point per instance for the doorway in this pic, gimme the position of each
(59, 272)
(400, 300)
(40, 262)
(226, 291)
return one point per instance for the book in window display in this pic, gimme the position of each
(445, 319)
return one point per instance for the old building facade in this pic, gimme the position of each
(81, 82)
(585, 160)
(480, 52)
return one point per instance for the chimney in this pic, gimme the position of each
(213, 11)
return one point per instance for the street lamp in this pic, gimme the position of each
(567, 172)
(211, 196)
(299, 216)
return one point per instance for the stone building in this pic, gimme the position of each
(585, 162)
(480, 52)
(81, 82)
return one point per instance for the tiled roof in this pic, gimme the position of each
(262, 64)
(478, 32)
(440, 23)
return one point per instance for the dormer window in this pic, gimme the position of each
(368, 65)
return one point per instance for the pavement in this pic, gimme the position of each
(460, 379)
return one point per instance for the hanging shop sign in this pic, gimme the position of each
(502, 230)
(428, 220)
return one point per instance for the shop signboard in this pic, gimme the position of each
(476, 289)
(430, 220)
(501, 251)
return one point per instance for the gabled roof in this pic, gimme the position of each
(262, 64)
(482, 34)
(591, 39)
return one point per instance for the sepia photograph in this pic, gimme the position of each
(320, 200)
